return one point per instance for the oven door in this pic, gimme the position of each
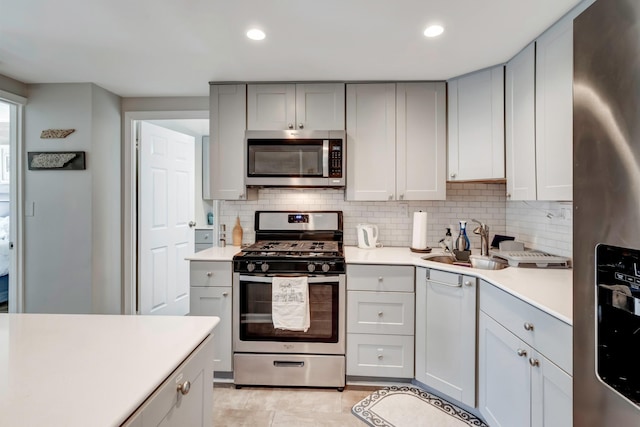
(253, 329)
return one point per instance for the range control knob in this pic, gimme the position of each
(325, 267)
(250, 267)
(264, 267)
(311, 267)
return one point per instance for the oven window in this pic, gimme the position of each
(290, 159)
(255, 314)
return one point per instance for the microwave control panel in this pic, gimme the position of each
(335, 158)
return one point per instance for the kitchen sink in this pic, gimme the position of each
(475, 261)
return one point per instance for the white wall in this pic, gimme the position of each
(72, 234)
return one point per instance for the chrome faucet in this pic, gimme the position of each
(483, 231)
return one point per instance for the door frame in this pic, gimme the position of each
(16, 192)
(130, 198)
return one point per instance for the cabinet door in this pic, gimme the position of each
(476, 126)
(226, 154)
(520, 125)
(320, 106)
(554, 112)
(504, 390)
(551, 394)
(446, 333)
(421, 141)
(371, 142)
(212, 301)
(271, 107)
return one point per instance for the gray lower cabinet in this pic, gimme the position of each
(167, 406)
(211, 296)
(203, 239)
(446, 333)
(524, 363)
(380, 321)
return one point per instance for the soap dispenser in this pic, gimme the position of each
(462, 242)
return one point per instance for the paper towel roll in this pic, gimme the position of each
(419, 240)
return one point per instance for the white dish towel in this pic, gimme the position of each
(290, 303)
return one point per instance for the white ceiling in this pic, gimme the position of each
(175, 47)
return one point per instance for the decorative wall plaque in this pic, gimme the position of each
(61, 160)
(56, 133)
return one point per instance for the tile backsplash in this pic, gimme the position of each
(545, 226)
(485, 202)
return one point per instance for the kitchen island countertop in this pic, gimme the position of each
(88, 370)
(549, 289)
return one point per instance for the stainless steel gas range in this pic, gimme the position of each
(291, 245)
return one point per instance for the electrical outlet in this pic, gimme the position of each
(404, 210)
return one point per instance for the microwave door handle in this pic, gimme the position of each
(325, 158)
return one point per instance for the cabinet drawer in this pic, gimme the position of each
(380, 312)
(210, 273)
(545, 333)
(388, 356)
(397, 278)
(203, 236)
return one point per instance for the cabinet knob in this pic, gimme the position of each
(468, 283)
(522, 352)
(301, 125)
(290, 125)
(508, 195)
(534, 362)
(380, 357)
(390, 196)
(452, 175)
(225, 294)
(528, 326)
(209, 274)
(380, 314)
(402, 197)
(380, 279)
(205, 237)
(184, 387)
(241, 196)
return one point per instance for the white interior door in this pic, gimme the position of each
(165, 215)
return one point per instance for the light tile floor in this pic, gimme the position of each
(286, 407)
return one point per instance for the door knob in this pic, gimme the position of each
(192, 224)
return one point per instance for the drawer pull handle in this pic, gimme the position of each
(380, 279)
(468, 283)
(209, 274)
(225, 294)
(522, 352)
(380, 357)
(380, 314)
(288, 364)
(184, 387)
(534, 362)
(528, 326)
(451, 285)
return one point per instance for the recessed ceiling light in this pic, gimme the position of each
(255, 34)
(433, 31)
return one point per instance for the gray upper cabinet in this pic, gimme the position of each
(316, 106)
(476, 126)
(226, 146)
(520, 125)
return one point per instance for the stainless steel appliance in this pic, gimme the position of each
(606, 92)
(291, 244)
(295, 158)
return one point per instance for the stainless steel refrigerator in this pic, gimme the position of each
(606, 284)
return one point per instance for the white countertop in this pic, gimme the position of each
(215, 254)
(88, 370)
(550, 289)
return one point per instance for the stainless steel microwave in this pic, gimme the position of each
(295, 158)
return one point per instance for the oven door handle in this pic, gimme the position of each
(310, 279)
